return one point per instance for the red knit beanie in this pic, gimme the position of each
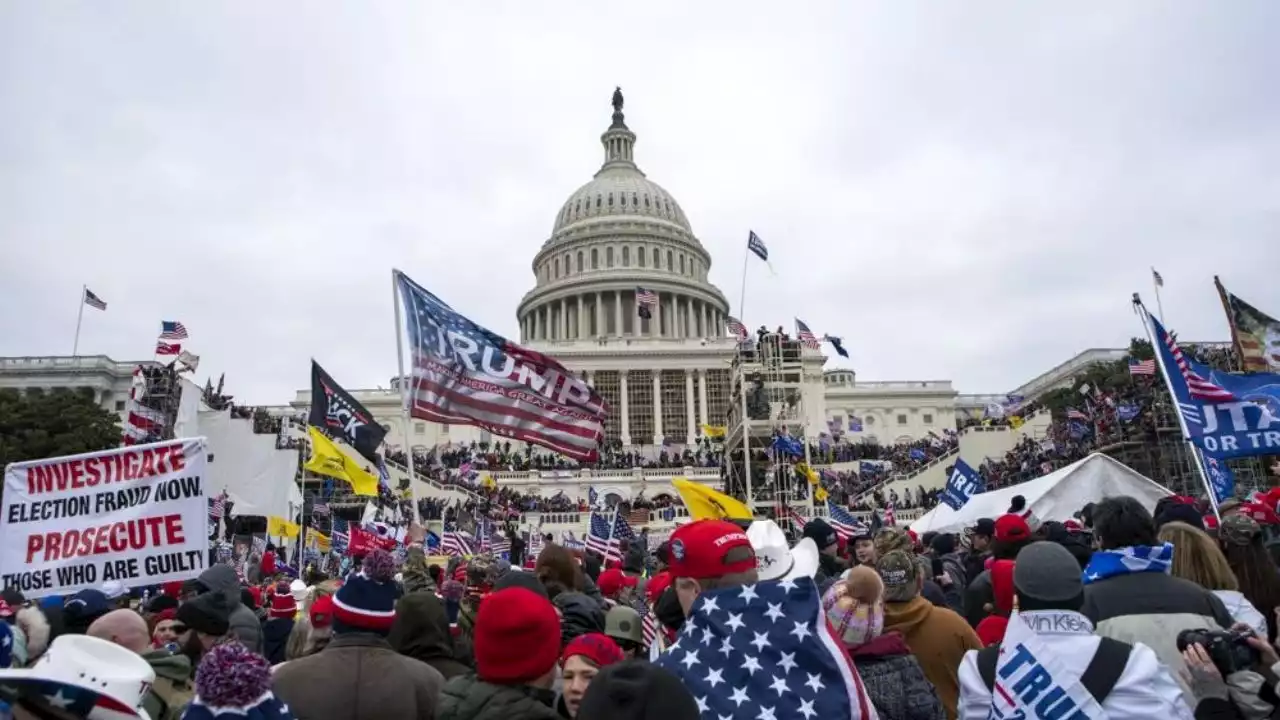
(599, 648)
(282, 603)
(991, 630)
(516, 637)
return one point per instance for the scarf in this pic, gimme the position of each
(1126, 561)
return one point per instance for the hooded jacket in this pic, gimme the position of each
(579, 615)
(895, 683)
(173, 689)
(421, 631)
(466, 697)
(938, 638)
(221, 579)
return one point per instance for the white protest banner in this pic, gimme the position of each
(137, 515)
(1032, 681)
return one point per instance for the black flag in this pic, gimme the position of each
(333, 409)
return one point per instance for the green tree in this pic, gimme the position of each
(1140, 349)
(37, 424)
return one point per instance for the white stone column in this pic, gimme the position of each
(707, 328)
(702, 396)
(624, 411)
(617, 311)
(690, 327)
(564, 319)
(600, 315)
(657, 407)
(688, 406)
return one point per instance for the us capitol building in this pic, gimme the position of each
(662, 377)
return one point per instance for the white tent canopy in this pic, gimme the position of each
(1056, 496)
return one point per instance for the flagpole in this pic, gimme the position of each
(75, 346)
(742, 299)
(1173, 399)
(404, 404)
(1155, 283)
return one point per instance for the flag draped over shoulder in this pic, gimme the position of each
(465, 374)
(334, 409)
(1256, 334)
(329, 460)
(764, 651)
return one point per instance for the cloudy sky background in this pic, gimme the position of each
(968, 191)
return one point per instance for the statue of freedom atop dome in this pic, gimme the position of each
(617, 99)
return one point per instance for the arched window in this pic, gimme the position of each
(608, 256)
(657, 259)
(557, 264)
(671, 263)
(681, 263)
(626, 256)
(579, 261)
(566, 264)
(595, 259)
(640, 256)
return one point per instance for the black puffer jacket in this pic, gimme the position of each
(579, 615)
(895, 683)
(467, 698)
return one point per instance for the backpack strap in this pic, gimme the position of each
(988, 657)
(1106, 667)
(1099, 678)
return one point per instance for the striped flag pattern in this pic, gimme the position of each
(1142, 367)
(94, 301)
(457, 542)
(647, 298)
(843, 522)
(599, 540)
(172, 330)
(736, 328)
(806, 336)
(514, 392)
(1198, 387)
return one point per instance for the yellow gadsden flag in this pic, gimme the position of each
(278, 527)
(327, 459)
(704, 503)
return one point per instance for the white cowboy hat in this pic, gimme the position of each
(86, 677)
(774, 559)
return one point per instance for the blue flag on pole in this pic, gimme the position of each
(963, 484)
(1221, 478)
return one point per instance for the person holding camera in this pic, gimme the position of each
(1222, 669)
(1059, 667)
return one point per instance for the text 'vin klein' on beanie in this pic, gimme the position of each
(235, 682)
(516, 638)
(637, 690)
(366, 602)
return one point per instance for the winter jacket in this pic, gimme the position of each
(221, 579)
(275, 639)
(938, 638)
(421, 631)
(1152, 608)
(894, 681)
(466, 697)
(358, 677)
(579, 615)
(173, 688)
(974, 563)
(1243, 611)
(415, 574)
(1146, 689)
(977, 596)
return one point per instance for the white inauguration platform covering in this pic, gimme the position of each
(1056, 496)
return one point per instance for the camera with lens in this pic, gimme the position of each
(1229, 649)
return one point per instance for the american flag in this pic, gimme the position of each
(1199, 388)
(1157, 278)
(1074, 414)
(172, 330)
(843, 521)
(457, 542)
(806, 336)
(164, 348)
(498, 542)
(649, 626)
(219, 508)
(466, 375)
(601, 541)
(889, 515)
(1142, 367)
(769, 646)
(645, 297)
(94, 301)
(736, 328)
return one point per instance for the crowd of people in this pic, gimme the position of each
(1117, 612)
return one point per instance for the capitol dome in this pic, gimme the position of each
(619, 237)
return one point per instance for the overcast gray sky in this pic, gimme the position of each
(966, 190)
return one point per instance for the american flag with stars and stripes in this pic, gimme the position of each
(599, 539)
(172, 330)
(457, 542)
(94, 301)
(649, 626)
(1198, 387)
(645, 297)
(806, 336)
(219, 508)
(736, 328)
(464, 374)
(890, 517)
(1074, 414)
(1142, 367)
(843, 522)
(764, 652)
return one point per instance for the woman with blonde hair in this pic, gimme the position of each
(1198, 558)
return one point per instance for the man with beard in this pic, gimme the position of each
(205, 621)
